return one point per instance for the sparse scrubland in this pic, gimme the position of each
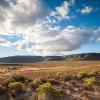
(51, 84)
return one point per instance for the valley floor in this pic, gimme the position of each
(74, 80)
(49, 67)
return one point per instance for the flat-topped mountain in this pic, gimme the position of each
(32, 59)
(21, 59)
(83, 56)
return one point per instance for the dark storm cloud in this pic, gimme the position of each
(4, 3)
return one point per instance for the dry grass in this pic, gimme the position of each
(63, 75)
(50, 67)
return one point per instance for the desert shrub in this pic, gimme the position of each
(1, 81)
(65, 76)
(53, 81)
(58, 74)
(15, 88)
(91, 82)
(7, 81)
(35, 84)
(95, 72)
(2, 89)
(42, 79)
(17, 85)
(19, 78)
(50, 92)
(82, 74)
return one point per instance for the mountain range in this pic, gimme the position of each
(32, 59)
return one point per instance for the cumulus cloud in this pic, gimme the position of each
(86, 10)
(20, 15)
(44, 40)
(67, 39)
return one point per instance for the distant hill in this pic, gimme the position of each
(21, 59)
(83, 56)
(53, 58)
(32, 59)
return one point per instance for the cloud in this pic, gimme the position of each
(67, 39)
(44, 41)
(60, 13)
(97, 34)
(4, 42)
(86, 10)
(30, 23)
(20, 15)
(4, 3)
(63, 10)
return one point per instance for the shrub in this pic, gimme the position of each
(49, 92)
(92, 82)
(42, 79)
(65, 76)
(17, 85)
(95, 72)
(35, 84)
(15, 88)
(53, 81)
(82, 74)
(7, 81)
(1, 81)
(19, 78)
(2, 89)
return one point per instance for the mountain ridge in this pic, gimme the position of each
(32, 59)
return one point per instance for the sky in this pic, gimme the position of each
(49, 27)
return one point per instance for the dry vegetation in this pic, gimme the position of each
(73, 80)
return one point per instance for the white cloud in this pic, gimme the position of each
(25, 17)
(4, 43)
(63, 10)
(86, 10)
(19, 16)
(60, 13)
(46, 40)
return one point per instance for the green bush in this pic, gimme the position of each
(35, 84)
(15, 88)
(64, 76)
(50, 92)
(17, 85)
(92, 81)
(82, 74)
(95, 72)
